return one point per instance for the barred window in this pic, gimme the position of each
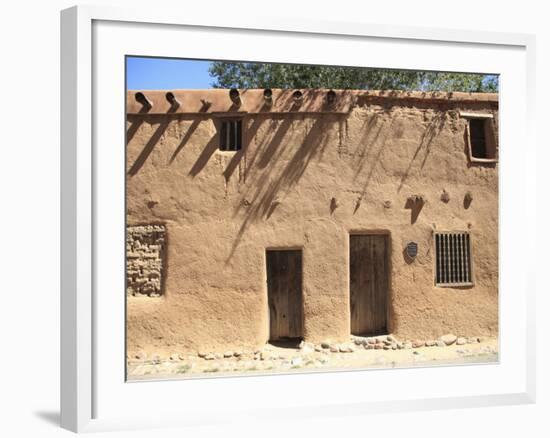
(453, 259)
(231, 135)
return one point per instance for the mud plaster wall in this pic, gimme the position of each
(222, 210)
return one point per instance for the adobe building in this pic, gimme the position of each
(258, 215)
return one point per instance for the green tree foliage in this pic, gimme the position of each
(258, 75)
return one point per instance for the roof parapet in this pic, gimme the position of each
(253, 101)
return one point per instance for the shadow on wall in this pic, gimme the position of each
(373, 148)
(415, 204)
(278, 169)
(261, 199)
(148, 148)
(250, 133)
(375, 134)
(192, 128)
(433, 128)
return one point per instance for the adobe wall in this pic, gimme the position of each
(222, 210)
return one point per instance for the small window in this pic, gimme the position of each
(231, 135)
(453, 259)
(480, 138)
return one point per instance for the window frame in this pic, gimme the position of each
(230, 118)
(489, 129)
(472, 281)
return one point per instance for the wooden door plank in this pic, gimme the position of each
(295, 306)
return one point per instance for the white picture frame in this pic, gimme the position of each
(91, 368)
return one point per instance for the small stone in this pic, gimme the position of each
(156, 359)
(369, 346)
(325, 345)
(416, 352)
(391, 338)
(334, 348)
(296, 361)
(394, 346)
(318, 348)
(387, 342)
(407, 345)
(430, 343)
(418, 343)
(228, 354)
(461, 341)
(237, 353)
(472, 340)
(371, 341)
(449, 339)
(218, 356)
(265, 355)
(202, 353)
(378, 346)
(209, 356)
(440, 343)
(358, 341)
(174, 357)
(387, 347)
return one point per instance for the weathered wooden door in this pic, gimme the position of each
(368, 283)
(284, 289)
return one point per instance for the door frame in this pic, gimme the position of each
(389, 302)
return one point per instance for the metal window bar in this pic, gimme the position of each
(232, 136)
(223, 136)
(437, 259)
(453, 259)
(238, 133)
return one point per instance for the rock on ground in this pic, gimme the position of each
(449, 339)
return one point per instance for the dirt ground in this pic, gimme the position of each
(273, 359)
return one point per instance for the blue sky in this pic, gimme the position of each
(165, 74)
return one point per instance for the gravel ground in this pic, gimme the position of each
(309, 358)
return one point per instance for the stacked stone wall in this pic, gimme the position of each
(145, 245)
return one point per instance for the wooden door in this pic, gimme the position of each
(284, 289)
(368, 283)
